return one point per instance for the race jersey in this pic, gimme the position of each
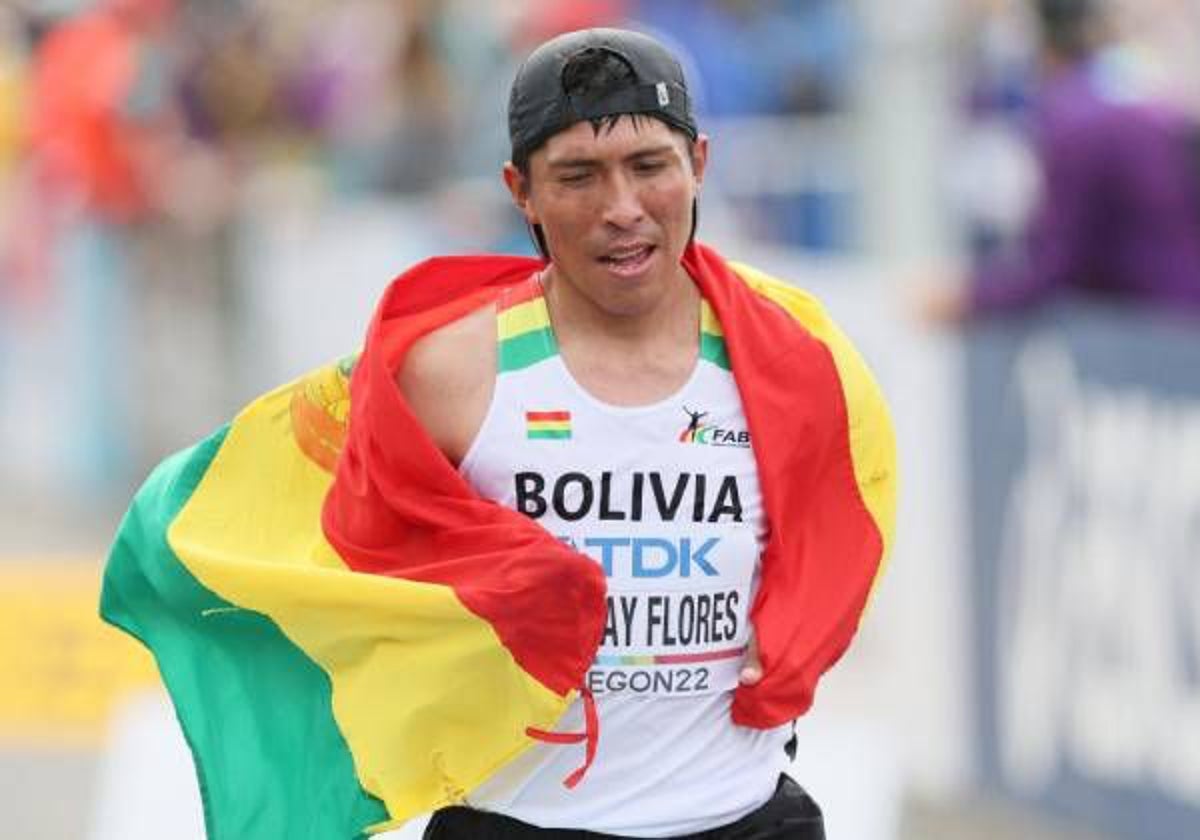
(665, 497)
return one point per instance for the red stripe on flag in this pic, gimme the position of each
(533, 416)
(521, 293)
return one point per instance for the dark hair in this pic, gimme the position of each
(1067, 25)
(593, 73)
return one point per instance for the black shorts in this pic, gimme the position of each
(790, 814)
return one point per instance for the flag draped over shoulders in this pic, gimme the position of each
(826, 457)
(351, 636)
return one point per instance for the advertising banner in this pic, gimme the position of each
(1084, 464)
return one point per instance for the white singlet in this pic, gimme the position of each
(666, 498)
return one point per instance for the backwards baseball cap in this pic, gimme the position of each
(540, 104)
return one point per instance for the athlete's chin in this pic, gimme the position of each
(630, 296)
(634, 288)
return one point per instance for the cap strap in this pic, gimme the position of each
(655, 98)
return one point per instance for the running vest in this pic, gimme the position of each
(665, 497)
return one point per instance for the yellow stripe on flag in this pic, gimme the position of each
(872, 442)
(708, 320)
(522, 318)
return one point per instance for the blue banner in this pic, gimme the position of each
(1084, 475)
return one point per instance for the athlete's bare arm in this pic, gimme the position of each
(448, 377)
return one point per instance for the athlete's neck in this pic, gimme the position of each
(627, 358)
(671, 316)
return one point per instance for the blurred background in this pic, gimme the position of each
(996, 199)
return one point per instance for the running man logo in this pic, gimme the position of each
(697, 432)
(548, 425)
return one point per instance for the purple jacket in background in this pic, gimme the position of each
(1119, 214)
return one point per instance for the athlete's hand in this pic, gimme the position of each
(751, 671)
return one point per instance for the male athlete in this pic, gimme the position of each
(562, 553)
(596, 396)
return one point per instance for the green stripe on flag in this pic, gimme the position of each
(712, 348)
(551, 434)
(255, 710)
(526, 349)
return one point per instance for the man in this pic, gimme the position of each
(568, 580)
(1118, 218)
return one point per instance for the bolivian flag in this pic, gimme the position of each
(548, 425)
(352, 637)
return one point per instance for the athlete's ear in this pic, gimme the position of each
(518, 188)
(699, 158)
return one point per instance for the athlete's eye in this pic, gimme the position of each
(649, 167)
(574, 178)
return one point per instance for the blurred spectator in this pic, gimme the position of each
(98, 116)
(94, 133)
(774, 57)
(1162, 34)
(92, 137)
(230, 80)
(543, 19)
(12, 102)
(113, 196)
(479, 42)
(783, 68)
(414, 150)
(1119, 212)
(991, 171)
(12, 91)
(12, 96)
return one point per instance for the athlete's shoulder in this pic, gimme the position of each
(447, 377)
(453, 354)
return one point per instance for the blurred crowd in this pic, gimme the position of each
(137, 108)
(1077, 168)
(135, 133)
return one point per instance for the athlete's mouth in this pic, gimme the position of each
(628, 260)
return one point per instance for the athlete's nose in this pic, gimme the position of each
(622, 204)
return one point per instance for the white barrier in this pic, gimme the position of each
(147, 788)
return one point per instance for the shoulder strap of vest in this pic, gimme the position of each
(523, 327)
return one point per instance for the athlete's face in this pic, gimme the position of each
(615, 207)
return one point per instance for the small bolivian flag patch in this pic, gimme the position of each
(548, 425)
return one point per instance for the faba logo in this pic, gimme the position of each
(710, 435)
